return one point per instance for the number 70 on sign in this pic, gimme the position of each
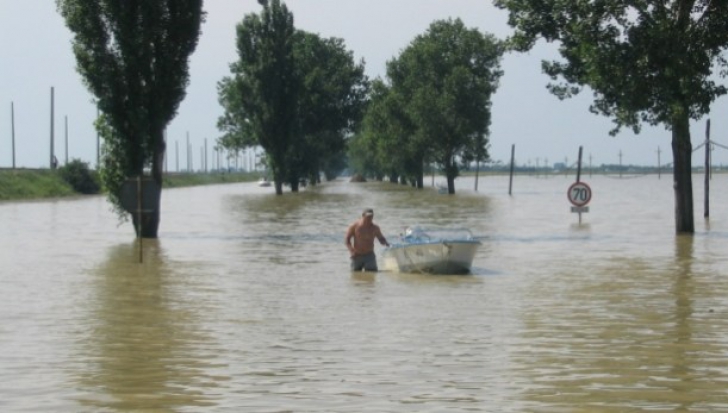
(579, 194)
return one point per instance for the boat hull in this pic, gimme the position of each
(442, 257)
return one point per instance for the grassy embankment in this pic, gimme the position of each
(24, 184)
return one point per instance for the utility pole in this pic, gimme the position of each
(510, 180)
(98, 142)
(12, 128)
(620, 163)
(52, 136)
(659, 165)
(66, 138)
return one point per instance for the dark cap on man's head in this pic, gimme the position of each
(367, 212)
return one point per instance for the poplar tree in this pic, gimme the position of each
(261, 96)
(133, 55)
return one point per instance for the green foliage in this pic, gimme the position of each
(294, 93)
(331, 103)
(78, 174)
(647, 61)
(260, 98)
(114, 165)
(133, 56)
(386, 144)
(32, 184)
(437, 105)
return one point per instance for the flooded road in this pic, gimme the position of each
(246, 303)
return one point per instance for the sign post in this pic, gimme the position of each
(579, 195)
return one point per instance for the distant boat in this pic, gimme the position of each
(432, 251)
(263, 182)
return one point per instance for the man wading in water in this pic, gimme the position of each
(363, 232)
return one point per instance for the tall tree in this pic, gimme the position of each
(446, 78)
(650, 61)
(326, 91)
(261, 97)
(133, 56)
(331, 102)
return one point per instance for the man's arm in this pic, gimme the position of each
(347, 239)
(381, 238)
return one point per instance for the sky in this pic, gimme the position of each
(35, 46)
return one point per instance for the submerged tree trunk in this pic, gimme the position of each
(277, 177)
(451, 172)
(682, 174)
(149, 224)
(450, 184)
(150, 219)
(420, 179)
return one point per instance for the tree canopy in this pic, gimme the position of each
(133, 57)
(646, 61)
(294, 93)
(260, 98)
(436, 107)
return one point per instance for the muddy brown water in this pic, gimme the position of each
(246, 303)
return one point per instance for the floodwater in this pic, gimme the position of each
(246, 303)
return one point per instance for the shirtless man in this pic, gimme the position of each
(363, 232)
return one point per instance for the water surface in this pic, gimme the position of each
(246, 303)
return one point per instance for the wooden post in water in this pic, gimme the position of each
(477, 171)
(706, 211)
(510, 183)
(139, 218)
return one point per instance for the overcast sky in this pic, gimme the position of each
(36, 55)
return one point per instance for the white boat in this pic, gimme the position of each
(263, 182)
(432, 251)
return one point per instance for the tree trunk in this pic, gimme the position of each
(682, 151)
(451, 172)
(420, 180)
(450, 184)
(277, 178)
(150, 220)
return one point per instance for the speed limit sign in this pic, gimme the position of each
(579, 194)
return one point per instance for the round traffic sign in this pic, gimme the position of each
(579, 194)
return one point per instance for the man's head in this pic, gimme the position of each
(367, 213)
